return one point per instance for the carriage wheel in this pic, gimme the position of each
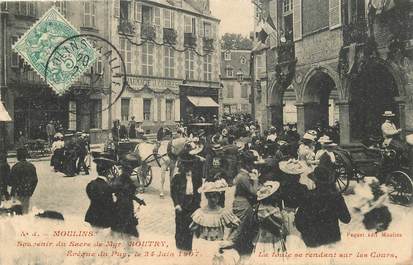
(342, 177)
(146, 175)
(401, 187)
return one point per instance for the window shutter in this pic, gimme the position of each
(105, 112)
(177, 109)
(214, 31)
(334, 14)
(155, 109)
(163, 109)
(138, 11)
(137, 106)
(116, 7)
(157, 16)
(297, 27)
(200, 28)
(172, 19)
(72, 115)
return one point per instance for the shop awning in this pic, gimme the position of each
(203, 101)
(4, 115)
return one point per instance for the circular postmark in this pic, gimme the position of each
(67, 57)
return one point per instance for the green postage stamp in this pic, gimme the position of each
(53, 43)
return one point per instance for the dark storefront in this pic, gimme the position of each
(34, 107)
(197, 102)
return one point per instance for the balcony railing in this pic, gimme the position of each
(189, 40)
(355, 32)
(148, 31)
(208, 44)
(285, 52)
(126, 27)
(169, 36)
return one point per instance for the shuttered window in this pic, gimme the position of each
(315, 15)
(297, 27)
(334, 13)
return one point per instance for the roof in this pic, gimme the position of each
(203, 101)
(183, 5)
(235, 62)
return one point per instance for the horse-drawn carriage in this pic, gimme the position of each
(391, 165)
(108, 162)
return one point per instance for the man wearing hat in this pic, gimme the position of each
(101, 209)
(125, 221)
(388, 128)
(186, 198)
(23, 179)
(83, 150)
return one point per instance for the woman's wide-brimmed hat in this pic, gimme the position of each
(58, 136)
(216, 147)
(326, 141)
(215, 186)
(308, 136)
(292, 167)
(388, 113)
(267, 189)
(409, 139)
(196, 149)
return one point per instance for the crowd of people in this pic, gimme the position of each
(284, 186)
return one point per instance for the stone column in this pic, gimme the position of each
(344, 120)
(300, 118)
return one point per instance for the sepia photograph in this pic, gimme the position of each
(206, 132)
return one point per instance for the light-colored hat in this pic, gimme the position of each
(252, 127)
(326, 141)
(409, 139)
(267, 189)
(196, 149)
(282, 142)
(58, 135)
(388, 113)
(216, 186)
(224, 132)
(309, 136)
(293, 167)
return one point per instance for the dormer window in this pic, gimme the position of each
(227, 56)
(240, 76)
(229, 72)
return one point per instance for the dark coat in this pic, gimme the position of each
(178, 188)
(125, 220)
(23, 179)
(4, 178)
(317, 218)
(101, 209)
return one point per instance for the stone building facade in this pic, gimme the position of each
(348, 57)
(236, 81)
(29, 100)
(171, 52)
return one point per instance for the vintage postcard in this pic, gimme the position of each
(210, 132)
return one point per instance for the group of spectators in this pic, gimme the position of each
(69, 156)
(18, 183)
(278, 176)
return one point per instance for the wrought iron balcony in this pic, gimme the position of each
(189, 40)
(208, 44)
(126, 27)
(169, 36)
(148, 31)
(355, 32)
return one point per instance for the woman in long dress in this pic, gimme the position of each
(210, 222)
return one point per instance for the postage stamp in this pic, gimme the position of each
(68, 61)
